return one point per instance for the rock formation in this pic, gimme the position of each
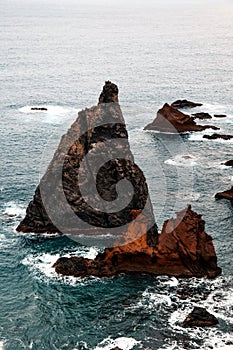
(185, 104)
(200, 317)
(170, 119)
(82, 194)
(94, 155)
(225, 195)
(183, 250)
(202, 115)
(218, 136)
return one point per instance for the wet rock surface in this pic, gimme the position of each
(225, 195)
(185, 104)
(202, 115)
(200, 317)
(218, 136)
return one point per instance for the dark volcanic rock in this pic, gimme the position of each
(200, 317)
(202, 115)
(225, 195)
(220, 115)
(185, 104)
(109, 93)
(183, 250)
(170, 119)
(218, 136)
(39, 109)
(228, 163)
(98, 133)
(116, 348)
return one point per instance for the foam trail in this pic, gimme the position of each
(13, 209)
(123, 343)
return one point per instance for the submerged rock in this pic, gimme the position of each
(228, 163)
(218, 136)
(225, 195)
(169, 119)
(185, 104)
(220, 115)
(39, 108)
(200, 317)
(202, 115)
(183, 250)
(95, 155)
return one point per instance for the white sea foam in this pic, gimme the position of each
(41, 265)
(185, 160)
(123, 343)
(1, 345)
(220, 304)
(13, 209)
(51, 109)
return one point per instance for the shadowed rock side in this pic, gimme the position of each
(225, 195)
(98, 132)
(170, 119)
(183, 250)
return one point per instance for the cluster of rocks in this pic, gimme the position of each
(182, 249)
(170, 119)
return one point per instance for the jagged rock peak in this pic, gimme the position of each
(109, 93)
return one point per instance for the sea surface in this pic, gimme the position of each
(58, 54)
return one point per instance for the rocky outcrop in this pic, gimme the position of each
(202, 115)
(200, 317)
(225, 195)
(218, 136)
(228, 163)
(169, 119)
(39, 108)
(185, 104)
(183, 250)
(92, 158)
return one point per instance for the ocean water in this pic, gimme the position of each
(58, 54)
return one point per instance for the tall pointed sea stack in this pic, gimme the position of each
(81, 191)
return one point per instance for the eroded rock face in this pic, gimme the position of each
(95, 155)
(185, 104)
(169, 119)
(183, 250)
(225, 195)
(200, 317)
(218, 136)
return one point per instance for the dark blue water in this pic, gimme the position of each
(58, 54)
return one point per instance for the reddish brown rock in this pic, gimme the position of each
(200, 317)
(225, 195)
(185, 104)
(169, 119)
(183, 250)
